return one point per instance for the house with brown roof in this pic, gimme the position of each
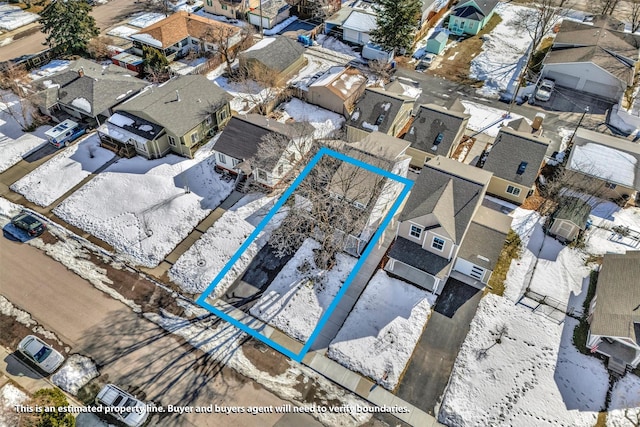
(444, 231)
(336, 90)
(182, 32)
(515, 158)
(614, 313)
(598, 58)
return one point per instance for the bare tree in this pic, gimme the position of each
(259, 86)
(14, 95)
(634, 15)
(332, 205)
(228, 41)
(99, 47)
(539, 20)
(604, 7)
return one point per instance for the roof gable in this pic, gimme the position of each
(434, 129)
(278, 54)
(377, 110)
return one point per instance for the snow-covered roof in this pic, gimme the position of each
(360, 21)
(261, 44)
(120, 134)
(606, 157)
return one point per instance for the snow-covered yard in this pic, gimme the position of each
(624, 409)
(324, 121)
(382, 330)
(246, 94)
(532, 376)
(10, 396)
(297, 298)
(61, 173)
(144, 208)
(201, 263)
(503, 52)
(486, 119)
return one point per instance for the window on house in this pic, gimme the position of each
(521, 168)
(358, 205)
(262, 175)
(280, 170)
(415, 231)
(610, 185)
(235, 162)
(222, 158)
(224, 7)
(223, 114)
(210, 119)
(513, 190)
(194, 137)
(172, 141)
(209, 3)
(437, 243)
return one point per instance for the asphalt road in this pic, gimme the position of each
(130, 350)
(105, 15)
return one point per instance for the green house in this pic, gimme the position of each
(437, 42)
(471, 16)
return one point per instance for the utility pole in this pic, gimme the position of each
(570, 144)
(261, 29)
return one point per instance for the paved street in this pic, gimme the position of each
(105, 15)
(130, 350)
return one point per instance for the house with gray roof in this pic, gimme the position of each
(598, 58)
(86, 91)
(614, 317)
(515, 158)
(179, 116)
(240, 141)
(444, 231)
(469, 17)
(436, 131)
(611, 160)
(279, 55)
(379, 111)
(570, 218)
(358, 25)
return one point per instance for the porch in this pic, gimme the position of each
(620, 355)
(412, 274)
(121, 149)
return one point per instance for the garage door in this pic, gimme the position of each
(605, 91)
(469, 269)
(562, 79)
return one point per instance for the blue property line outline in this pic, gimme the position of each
(343, 289)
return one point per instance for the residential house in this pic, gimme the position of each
(614, 318)
(443, 230)
(358, 25)
(379, 111)
(570, 218)
(337, 90)
(85, 91)
(611, 160)
(280, 57)
(180, 116)
(437, 42)
(515, 158)
(233, 9)
(598, 58)
(239, 143)
(469, 17)
(367, 191)
(436, 131)
(271, 13)
(182, 32)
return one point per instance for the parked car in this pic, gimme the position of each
(29, 223)
(425, 62)
(545, 89)
(40, 354)
(65, 133)
(122, 406)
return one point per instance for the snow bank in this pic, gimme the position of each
(11, 396)
(382, 330)
(75, 373)
(144, 208)
(300, 294)
(61, 173)
(534, 376)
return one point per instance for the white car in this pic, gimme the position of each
(544, 91)
(122, 406)
(40, 354)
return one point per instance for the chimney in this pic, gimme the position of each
(81, 72)
(177, 96)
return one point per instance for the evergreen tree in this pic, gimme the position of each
(48, 400)
(156, 65)
(68, 25)
(397, 22)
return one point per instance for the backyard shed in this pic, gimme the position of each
(437, 42)
(570, 218)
